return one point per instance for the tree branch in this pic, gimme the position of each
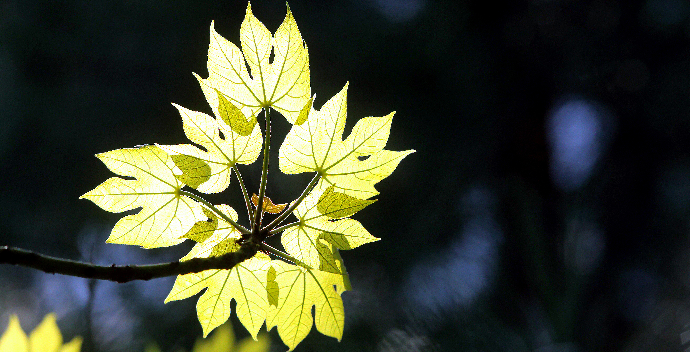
(123, 273)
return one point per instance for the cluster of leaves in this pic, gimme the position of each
(223, 340)
(46, 337)
(269, 71)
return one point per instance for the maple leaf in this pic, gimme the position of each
(317, 146)
(313, 240)
(165, 215)
(283, 84)
(221, 154)
(246, 282)
(46, 337)
(298, 289)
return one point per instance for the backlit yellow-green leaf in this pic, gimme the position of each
(223, 147)
(223, 339)
(202, 230)
(46, 337)
(317, 146)
(339, 205)
(14, 338)
(272, 287)
(165, 215)
(194, 170)
(315, 239)
(233, 117)
(72, 346)
(246, 282)
(304, 113)
(262, 344)
(299, 290)
(283, 83)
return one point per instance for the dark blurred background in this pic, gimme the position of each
(547, 207)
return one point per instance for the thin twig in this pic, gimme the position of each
(212, 208)
(247, 202)
(278, 253)
(294, 205)
(283, 228)
(256, 224)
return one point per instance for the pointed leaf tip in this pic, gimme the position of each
(317, 146)
(14, 338)
(46, 336)
(267, 70)
(150, 184)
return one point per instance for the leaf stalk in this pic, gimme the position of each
(250, 211)
(293, 206)
(212, 208)
(256, 224)
(266, 248)
(283, 228)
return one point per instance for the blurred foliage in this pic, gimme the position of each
(46, 337)
(223, 340)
